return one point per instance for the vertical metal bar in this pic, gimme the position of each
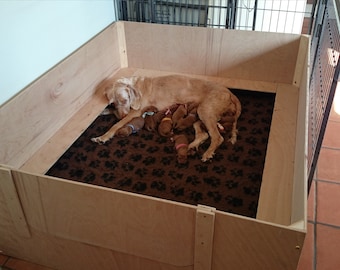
(255, 14)
(234, 14)
(312, 17)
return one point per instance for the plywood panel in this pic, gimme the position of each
(215, 52)
(35, 114)
(142, 226)
(247, 244)
(275, 202)
(49, 153)
(60, 253)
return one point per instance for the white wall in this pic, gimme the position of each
(36, 35)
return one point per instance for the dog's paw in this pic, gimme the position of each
(207, 156)
(99, 140)
(232, 140)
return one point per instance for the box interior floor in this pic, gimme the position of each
(114, 229)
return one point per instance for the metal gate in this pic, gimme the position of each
(261, 15)
(324, 74)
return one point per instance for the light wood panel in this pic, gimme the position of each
(142, 226)
(49, 152)
(275, 201)
(61, 253)
(11, 208)
(248, 244)
(35, 114)
(234, 54)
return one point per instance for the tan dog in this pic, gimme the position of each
(133, 126)
(131, 95)
(227, 121)
(181, 146)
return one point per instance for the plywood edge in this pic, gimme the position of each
(13, 203)
(275, 201)
(300, 66)
(204, 234)
(300, 189)
(122, 45)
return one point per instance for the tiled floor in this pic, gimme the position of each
(322, 243)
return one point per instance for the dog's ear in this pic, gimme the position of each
(135, 97)
(108, 92)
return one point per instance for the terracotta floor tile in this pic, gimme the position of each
(328, 201)
(328, 164)
(3, 259)
(331, 138)
(327, 242)
(306, 261)
(16, 264)
(311, 203)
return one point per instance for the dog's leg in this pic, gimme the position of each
(210, 122)
(200, 136)
(234, 131)
(112, 131)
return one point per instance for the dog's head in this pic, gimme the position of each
(124, 96)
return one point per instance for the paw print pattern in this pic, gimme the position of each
(125, 182)
(159, 185)
(119, 153)
(89, 177)
(94, 163)
(149, 160)
(108, 177)
(175, 175)
(158, 172)
(111, 165)
(215, 195)
(127, 167)
(141, 172)
(139, 186)
(177, 191)
(193, 179)
(80, 157)
(212, 181)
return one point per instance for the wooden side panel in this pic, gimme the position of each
(214, 52)
(247, 244)
(146, 227)
(11, 210)
(35, 114)
(61, 253)
(49, 153)
(275, 202)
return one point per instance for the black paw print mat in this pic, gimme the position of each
(146, 163)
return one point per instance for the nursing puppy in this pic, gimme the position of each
(131, 95)
(133, 126)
